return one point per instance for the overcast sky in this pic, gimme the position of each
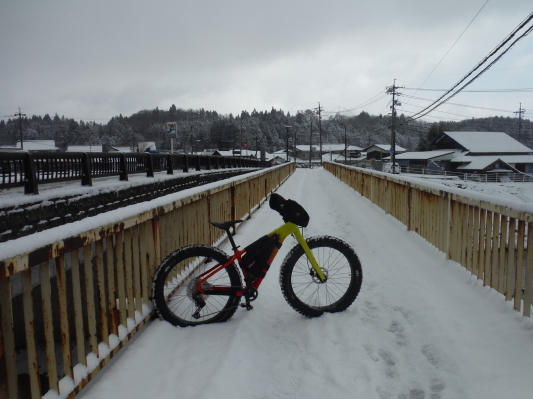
(92, 60)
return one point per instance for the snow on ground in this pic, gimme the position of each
(516, 191)
(421, 328)
(519, 192)
(15, 196)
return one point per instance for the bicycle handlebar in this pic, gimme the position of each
(290, 210)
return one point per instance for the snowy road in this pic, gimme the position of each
(421, 328)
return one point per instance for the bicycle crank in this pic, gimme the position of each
(250, 294)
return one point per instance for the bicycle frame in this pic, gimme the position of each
(282, 232)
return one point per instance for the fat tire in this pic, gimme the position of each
(311, 298)
(219, 308)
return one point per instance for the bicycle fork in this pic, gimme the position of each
(291, 228)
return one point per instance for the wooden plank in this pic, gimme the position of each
(470, 238)
(102, 300)
(482, 241)
(121, 280)
(7, 341)
(29, 326)
(496, 226)
(463, 234)
(128, 271)
(48, 322)
(451, 231)
(64, 324)
(78, 308)
(111, 287)
(511, 260)
(529, 271)
(475, 259)
(136, 269)
(145, 285)
(503, 251)
(90, 298)
(488, 249)
(519, 266)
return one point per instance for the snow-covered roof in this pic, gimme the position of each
(384, 147)
(511, 159)
(84, 148)
(426, 155)
(121, 149)
(488, 142)
(39, 145)
(480, 162)
(332, 147)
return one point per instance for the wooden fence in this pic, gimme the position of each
(491, 241)
(29, 169)
(66, 308)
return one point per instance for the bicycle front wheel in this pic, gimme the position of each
(303, 290)
(174, 289)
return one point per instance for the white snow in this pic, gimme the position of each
(488, 142)
(26, 244)
(421, 328)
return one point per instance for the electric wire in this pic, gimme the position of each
(364, 104)
(442, 99)
(460, 105)
(454, 43)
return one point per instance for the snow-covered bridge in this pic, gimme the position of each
(422, 326)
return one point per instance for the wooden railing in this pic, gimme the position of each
(68, 306)
(29, 169)
(490, 240)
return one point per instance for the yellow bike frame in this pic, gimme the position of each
(291, 228)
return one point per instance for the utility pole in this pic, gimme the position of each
(392, 90)
(288, 135)
(310, 145)
(319, 110)
(345, 142)
(520, 112)
(20, 126)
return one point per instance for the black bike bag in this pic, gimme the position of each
(290, 210)
(255, 260)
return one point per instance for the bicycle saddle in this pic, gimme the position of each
(290, 210)
(225, 225)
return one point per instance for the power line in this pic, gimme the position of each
(524, 90)
(460, 105)
(442, 100)
(364, 104)
(454, 43)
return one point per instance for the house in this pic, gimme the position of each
(484, 152)
(423, 160)
(34, 146)
(380, 151)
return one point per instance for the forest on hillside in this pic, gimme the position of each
(254, 130)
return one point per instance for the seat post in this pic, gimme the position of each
(231, 240)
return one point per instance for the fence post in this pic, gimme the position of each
(123, 167)
(170, 167)
(185, 164)
(198, 163)
(86, 178)
(149, 165)
(31, 186)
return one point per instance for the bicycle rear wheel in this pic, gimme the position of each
(303, 290)
(174, 289)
